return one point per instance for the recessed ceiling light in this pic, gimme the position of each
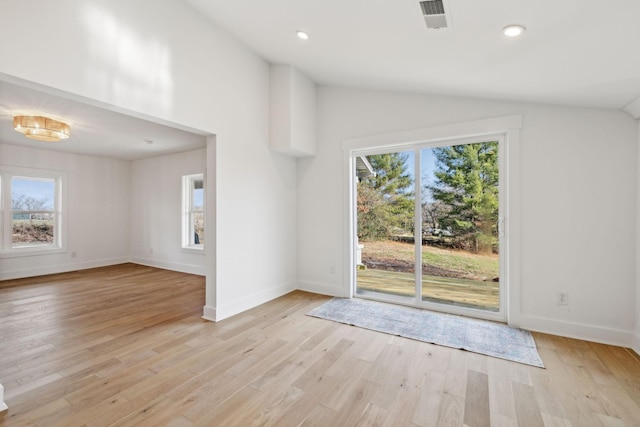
(513, 30)
(148, 141)
(302, 35)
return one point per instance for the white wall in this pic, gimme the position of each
(636, 338)
(97, 196)
(578, 193)
(161, 59)
(156, 211)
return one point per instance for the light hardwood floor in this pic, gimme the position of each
(126, 345)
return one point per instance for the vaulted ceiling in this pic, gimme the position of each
(573, 52)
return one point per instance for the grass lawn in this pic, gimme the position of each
(458, 263)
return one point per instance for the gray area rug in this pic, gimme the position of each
(478, 336)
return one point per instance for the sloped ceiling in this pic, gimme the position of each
(573, 52)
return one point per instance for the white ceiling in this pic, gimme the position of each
(574, 52)
(94, 130)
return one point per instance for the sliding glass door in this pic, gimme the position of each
(431, 238)
(386, 252)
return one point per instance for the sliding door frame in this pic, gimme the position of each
(507, 131)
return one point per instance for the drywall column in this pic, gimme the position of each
(633, 109)
(292, 112)
(209, 310)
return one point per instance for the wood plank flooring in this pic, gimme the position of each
(126, 346)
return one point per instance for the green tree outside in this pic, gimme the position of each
(385, 201)
(467, 182)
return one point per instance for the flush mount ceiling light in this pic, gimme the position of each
(513, 30)
(41, 128)
(302, 35)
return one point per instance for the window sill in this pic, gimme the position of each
(193, 250)
(24, 252)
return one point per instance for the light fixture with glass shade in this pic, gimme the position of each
(41, 128)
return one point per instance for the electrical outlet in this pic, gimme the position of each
(73, 254)
(332, 269)
(151, 251)
(563, 298)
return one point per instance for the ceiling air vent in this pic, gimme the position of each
(433, 12)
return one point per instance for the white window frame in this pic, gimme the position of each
(7, 249)
(509, 126)
(416, 300)
(188, 211)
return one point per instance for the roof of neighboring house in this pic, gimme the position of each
(363, 168)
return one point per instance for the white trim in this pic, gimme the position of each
(170, 265)
(78, 266)
(193, 250)
(209, 313)
(60, 268)
(211, 225)
(349, 269)
(322, 289)
(509, 127)
(31, 251)
(188, 210)
(248, 302)
(512, 216)
(443, 133)
(581, 331)
(59, 245)
(636, 342)
(3, 406)
(440, 308)
(417, 224)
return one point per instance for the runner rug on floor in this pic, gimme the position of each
(478, 336)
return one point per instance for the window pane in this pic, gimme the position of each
(197, 215)
(30, 194)
(198, 195)
(385, 253)
(193, 211)
(460, 214)
(33, 211)
(198, 227)
(33, 229)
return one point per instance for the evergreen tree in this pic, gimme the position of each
(467, 182)
(385, 201)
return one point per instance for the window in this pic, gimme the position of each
(31, 206)
(193, 236)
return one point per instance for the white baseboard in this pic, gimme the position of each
(247, 302)
(322, 289)
(209, 313)
(636, 342)
(59, 268)
(581, 331)
(3, 406)
(174, 266)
